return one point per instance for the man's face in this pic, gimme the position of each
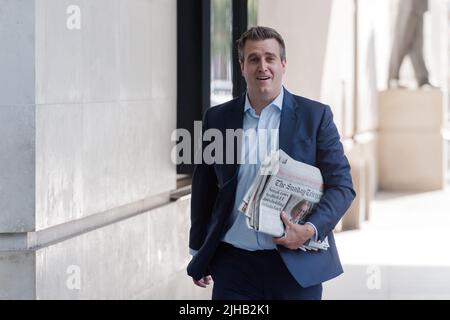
(263, 68)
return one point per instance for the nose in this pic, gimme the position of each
(263, 65)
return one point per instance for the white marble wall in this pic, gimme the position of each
(103, 92)
(86, 117)
(144, 257)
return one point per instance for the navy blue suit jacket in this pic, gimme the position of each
(307, 134)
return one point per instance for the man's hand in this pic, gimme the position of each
(203, 282)
(295, 234)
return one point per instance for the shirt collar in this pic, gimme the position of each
(278, 102)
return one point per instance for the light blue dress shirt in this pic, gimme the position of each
(254, 148)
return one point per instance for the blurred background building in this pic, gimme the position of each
(91, 205)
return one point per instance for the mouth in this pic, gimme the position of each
(263, 80)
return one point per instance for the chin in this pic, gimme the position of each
(265, 90)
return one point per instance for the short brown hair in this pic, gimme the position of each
(260, 33)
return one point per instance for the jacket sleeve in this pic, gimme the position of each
(335, 168)
(204, 193)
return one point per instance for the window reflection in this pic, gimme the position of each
(252, 6)
(221, 45)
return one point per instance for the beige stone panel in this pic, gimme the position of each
(411, 109)
(411, 161)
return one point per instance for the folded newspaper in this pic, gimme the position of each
(283, 184)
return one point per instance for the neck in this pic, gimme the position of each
(259, 101)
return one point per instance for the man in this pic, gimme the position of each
(408, 41)
(243, 263)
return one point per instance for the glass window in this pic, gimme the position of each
(221, 50)
(252, 13)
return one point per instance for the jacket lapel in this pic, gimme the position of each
(288, 122)
(234, 120)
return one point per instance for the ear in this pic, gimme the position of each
(283, 64)
(241, 63)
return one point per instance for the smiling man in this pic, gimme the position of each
(243, 263)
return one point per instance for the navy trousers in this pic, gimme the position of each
(255, 275)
